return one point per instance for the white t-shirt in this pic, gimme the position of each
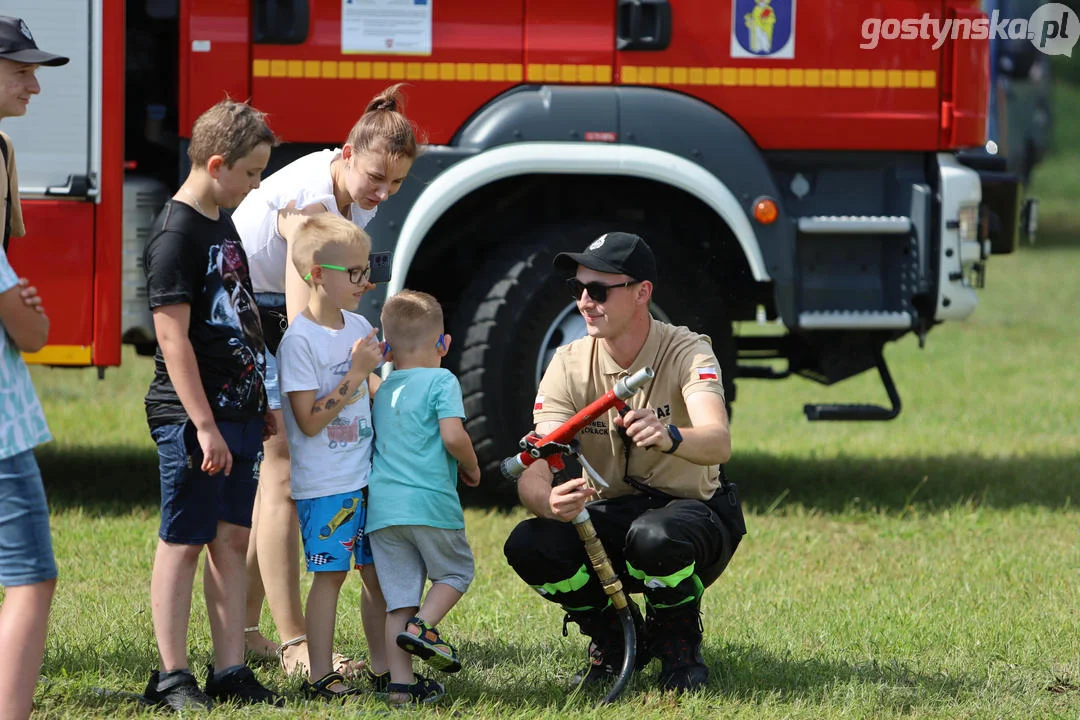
(313, 357)
(304, 182)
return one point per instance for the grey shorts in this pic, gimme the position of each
(407, 555)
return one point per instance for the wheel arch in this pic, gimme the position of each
(522, 161)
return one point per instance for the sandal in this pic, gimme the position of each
(422, 690)
(320, 689)
(300, 666)
(343, 665)
(429, 646)
(379, 683)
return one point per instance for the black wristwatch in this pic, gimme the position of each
(676, 439)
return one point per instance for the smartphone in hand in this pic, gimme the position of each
(380, 266)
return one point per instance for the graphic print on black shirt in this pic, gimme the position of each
(194, 260)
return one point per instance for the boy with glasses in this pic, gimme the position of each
(326, 360)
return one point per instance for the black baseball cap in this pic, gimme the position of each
(16, 43)
(614, 252)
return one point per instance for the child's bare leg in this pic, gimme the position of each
(440, 599)
(24, 618)
(321, 615)
(254, 640)
(170, 600)
(223, 584)
(401, 667)
(373, 615)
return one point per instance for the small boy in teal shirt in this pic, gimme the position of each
(415, 523)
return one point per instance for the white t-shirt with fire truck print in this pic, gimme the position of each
(313, 357)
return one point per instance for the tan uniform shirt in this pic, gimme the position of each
(583, 370)
(8, 176)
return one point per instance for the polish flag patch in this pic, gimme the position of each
(538, 403)
(706, 373)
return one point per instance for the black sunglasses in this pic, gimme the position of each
(597, 290)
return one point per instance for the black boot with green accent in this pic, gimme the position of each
(675, 636)
(604, 629)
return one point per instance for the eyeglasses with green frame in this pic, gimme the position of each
(357, 275)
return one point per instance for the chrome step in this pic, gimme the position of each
(855, 225)
(854, 320)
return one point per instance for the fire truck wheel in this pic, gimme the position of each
(514, 315)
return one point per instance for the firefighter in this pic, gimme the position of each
(668, 520)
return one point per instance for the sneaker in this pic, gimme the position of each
(180, 692)
(240, 685)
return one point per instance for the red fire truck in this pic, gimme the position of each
(782, 171)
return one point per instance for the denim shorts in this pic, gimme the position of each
(26, 552)
(271, 382)
(332, 529)
(193, 502)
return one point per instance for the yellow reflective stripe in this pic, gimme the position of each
(856, 78)
(429, 71)
(778, 77)
(668, 580)
(578, 581)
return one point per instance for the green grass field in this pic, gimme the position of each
(923, 568)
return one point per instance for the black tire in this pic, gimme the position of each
(507, 311)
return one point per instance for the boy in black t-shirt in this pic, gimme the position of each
(206, 406)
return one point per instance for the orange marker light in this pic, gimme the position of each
(765, 211)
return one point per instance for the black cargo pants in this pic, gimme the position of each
(668, 549)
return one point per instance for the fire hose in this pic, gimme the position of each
(551, 448)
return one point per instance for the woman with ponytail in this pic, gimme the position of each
(350, 181)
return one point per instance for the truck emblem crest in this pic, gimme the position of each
(763, 28)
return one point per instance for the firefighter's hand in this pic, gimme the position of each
(216, 455)
(270, 428)
(30, 295)
(568, 500)
(645, 429)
